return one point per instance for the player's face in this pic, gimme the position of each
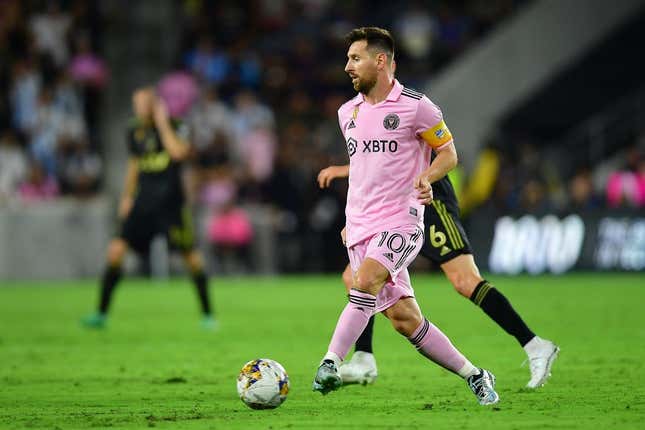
(142, 102)
(361, 67)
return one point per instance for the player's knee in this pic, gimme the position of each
(116, 252)
(348, 278)
(369, 283)
(194, 261)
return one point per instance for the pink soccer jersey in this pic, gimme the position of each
(389, 145)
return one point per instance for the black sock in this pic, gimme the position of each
(364, 342)
(201, 284)
(110, 278)
(499, 309)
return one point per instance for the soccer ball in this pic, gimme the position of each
(263, 384)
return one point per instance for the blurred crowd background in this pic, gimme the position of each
(259, 82)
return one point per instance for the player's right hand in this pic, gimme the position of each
(330, 173)
(343, 235)
(325, 177)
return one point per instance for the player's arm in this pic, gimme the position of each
(445, 160)
(177, 148)
(330, 173)
(129, 187)
(439, 138)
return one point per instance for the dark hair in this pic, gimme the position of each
(377, 39)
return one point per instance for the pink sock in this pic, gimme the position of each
(352, 322)
(433, 344)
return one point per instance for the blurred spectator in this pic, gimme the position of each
(417, 30)
(90, 72)
(211, 122)
(626, 188)
(211, 180)
(43, 104)
(68, 102)
(86, 67)
(50, 31)
(218, 188)
(247, 66)
(253, 124)
(45, 132)
(250, 114)
(534, 198)
(581, 191)
(179, 91)
(79, 169)
(230, 229)
(38, 186)
(210, 64)
(13, 166)
(230, 233)
(258, 153)
(24, 95)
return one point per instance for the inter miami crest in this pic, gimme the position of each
(391, 121)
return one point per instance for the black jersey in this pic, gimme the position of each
(159, 184)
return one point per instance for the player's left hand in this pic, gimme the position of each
(423, 186)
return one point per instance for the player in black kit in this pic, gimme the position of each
(446, 245)
(153, 201)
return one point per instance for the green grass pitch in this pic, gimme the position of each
(155, 367)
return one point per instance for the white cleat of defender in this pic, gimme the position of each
(542, 353)
(361, 369)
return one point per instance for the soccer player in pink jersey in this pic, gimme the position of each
(447, 246)
(390, 132)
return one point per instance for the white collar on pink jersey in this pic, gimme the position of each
(394, 94)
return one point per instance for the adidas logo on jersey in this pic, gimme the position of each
(351, 125)
(445, 250)
(389, 256)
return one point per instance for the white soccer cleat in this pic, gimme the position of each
(361, 369)
(483, 387)
(542, 353)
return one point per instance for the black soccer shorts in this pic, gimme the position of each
(139, 228)
(445, 237)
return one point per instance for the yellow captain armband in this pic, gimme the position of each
(438, 135)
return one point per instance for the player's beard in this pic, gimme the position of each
(365, 85)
